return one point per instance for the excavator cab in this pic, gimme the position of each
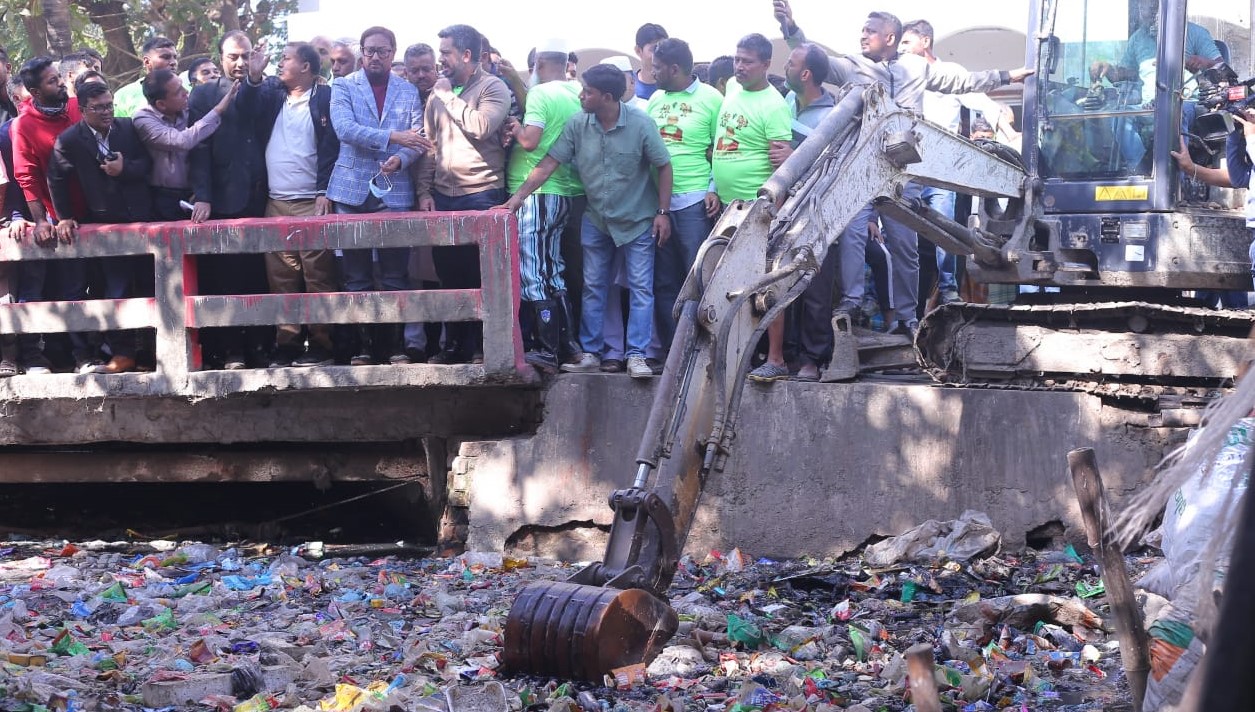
(1117, 88)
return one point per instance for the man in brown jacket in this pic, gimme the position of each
(464, 117)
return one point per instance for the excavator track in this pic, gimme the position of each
(1137, 353)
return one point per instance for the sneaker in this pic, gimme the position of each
(613, 365)
(37, 365)
(949, 296)
(587, 363)
(655, 366)
(905, 329)
(314, 356)
(768, 373)
(638, 368)
(233, 362)
(88, 365)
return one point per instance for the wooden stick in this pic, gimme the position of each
(1134, 643)
(919, 666)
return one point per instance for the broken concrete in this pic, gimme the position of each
(818, 468)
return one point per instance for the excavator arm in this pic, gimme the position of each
(760, 256)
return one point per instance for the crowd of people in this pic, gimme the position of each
(616, 178)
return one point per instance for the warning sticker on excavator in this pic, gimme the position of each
(1120, 193)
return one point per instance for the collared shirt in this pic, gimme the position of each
(805, 119)
(169, 141)
(615, 167)
(102, 142)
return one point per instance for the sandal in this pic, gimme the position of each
(769, 372)
(7, 368)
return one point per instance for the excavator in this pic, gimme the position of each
(1095, 208)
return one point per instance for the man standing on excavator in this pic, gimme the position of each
(906, 77)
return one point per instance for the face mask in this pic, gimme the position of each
(382, 187)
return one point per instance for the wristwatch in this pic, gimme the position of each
(663, 212)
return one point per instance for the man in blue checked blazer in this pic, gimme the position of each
(378, 119)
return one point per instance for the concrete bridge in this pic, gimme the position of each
(504, 459)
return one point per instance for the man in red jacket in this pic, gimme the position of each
(50, 111)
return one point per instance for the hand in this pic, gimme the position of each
(1007, 118)
(1019, 75)
(44, 236)
(411, 138)
(112, 168)
(257, 62)
(778, 152)
(201, 211)
(713, 206)
(1103, 70)
(1182, 157)
(20, 229)
(508, 71)
(662, 229)
(509, 131)
(443, 88)
(322, 206)
(426, 204)
(390, 166)
(1248, 124)
(512, 205)
(225, 102)
(783, 14)
(1197, 63)
(873, 231)
(65, 230)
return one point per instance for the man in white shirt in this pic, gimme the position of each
(293, 113)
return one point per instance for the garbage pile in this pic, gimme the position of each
(171, 626)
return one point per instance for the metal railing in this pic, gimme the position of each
(178, 311)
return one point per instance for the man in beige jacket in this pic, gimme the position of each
(464, 118)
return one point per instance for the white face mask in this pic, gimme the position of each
(381, 187)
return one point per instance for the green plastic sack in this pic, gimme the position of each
(743, 632)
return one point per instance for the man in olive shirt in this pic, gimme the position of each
(612, 147)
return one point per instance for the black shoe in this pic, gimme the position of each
(655, 365)
(612, 365)
(445, 358)
(543, 361)
(314, 356)
(410, 355)
(284, 356)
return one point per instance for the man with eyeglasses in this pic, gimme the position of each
(376, 116)
(157, 53)
(99, 174)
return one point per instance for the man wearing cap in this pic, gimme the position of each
(543, 215)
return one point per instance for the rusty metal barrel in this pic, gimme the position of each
(583, 632)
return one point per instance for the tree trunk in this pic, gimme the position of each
(57, 17)
(122, 63)
(227, 15)
(36, 34)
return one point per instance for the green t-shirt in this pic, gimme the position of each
(748, 122)
(686, 121)
(549, 106)
(128, 99)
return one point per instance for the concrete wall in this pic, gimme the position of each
(818, 468)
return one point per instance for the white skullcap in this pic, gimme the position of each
(554, 44)
(621, 62)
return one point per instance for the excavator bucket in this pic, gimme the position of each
(583, 632)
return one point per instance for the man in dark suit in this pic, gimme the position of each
(99, 174)
(228, 174)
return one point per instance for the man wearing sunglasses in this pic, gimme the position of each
(377, 118)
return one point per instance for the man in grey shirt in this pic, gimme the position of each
(907, 77)
(613, 147)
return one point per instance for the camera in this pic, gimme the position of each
(1220, 90)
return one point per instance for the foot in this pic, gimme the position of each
(907, 328)
(7, 368)
(284, 355)
(118, 364)
(638, 368)
(362, 359)
(656, 365)
(612, 365)
(769, 372)
(447, 357)
(949, 296)
(415, 355)
(587, 363)
(37, 365)
(234, 362)
(88, 365)
(314, 356)
(808, 372)
(544, 361)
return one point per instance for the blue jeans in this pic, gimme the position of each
(358, 268)
(599, 252)
(943, 202)
(903, 264)
(689, 229)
